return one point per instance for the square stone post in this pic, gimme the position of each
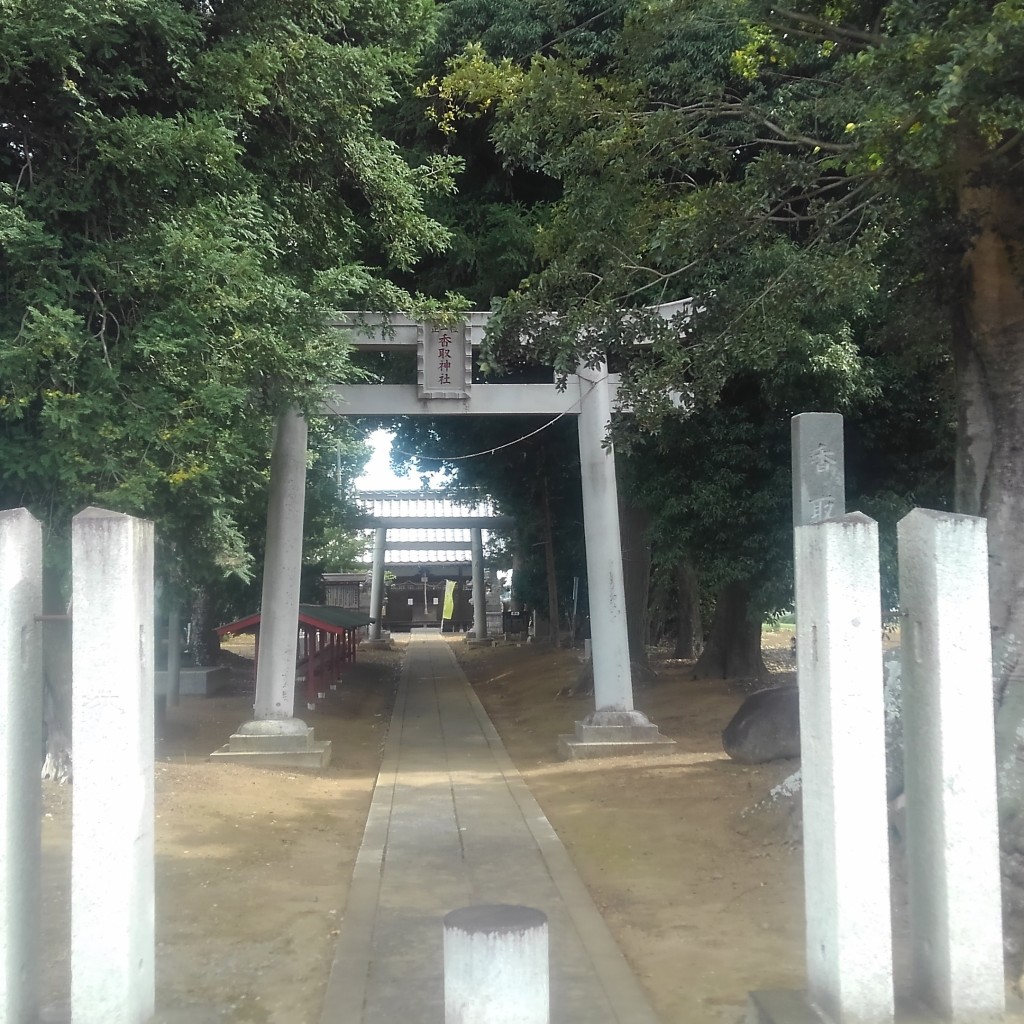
(21, 716)
(112, 939)
(476, 537)
(949, 756)
(819, 476)
(846, 840)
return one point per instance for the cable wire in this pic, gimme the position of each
(497, 448)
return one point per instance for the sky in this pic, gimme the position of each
(379, 476)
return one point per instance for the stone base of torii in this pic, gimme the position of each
(444, 387)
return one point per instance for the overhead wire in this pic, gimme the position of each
(500, 447)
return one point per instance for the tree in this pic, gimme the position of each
(187, 191)
(790, 168)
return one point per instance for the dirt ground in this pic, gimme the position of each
(253, 865)
(703, 895)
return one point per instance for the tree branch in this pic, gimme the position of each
(837, 33)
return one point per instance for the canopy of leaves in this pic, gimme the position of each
(760, 161)
(789, 169)
(187, 190)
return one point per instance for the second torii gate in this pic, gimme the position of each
(444, 387)
(449, 513)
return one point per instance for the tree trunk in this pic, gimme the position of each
(733, 650)
(549, 562)
(56, 683)
(515, 603)
(205, 642)
(636, 579)
(989, 359)
(690, 632)
(660, 604)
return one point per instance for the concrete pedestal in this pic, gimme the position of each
(614, 734)
(380, 643)
(276, 743)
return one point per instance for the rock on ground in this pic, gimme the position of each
(765, 728)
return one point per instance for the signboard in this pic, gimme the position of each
(444, 363)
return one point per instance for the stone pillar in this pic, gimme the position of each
(613, 683)
(496, 966)
(614, 727)
(819, 480)
(275, 738)
(949, 757)
(275, 674)
(21, 716)
(112, 939)
(479, 588)
(846, 840)
(380, 538)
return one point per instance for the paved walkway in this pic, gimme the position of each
(452, 824)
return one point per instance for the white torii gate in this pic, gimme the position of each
(444, 388)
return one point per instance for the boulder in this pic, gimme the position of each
(766, 727)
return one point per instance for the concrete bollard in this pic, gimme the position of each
(496, 966)
(952, 820)
(112, 905)
(842, 739)
(21, 678)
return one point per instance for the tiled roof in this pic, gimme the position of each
(423, 557)
(422, 504)
(453, 536)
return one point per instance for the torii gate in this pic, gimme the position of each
(444, 387)
(472, 516)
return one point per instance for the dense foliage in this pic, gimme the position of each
(823, 181)
(187, 190)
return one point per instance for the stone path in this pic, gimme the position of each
(452, 824)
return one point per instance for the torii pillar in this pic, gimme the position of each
(615, 726)
(476, 538)
(274, 737)
(376, 639)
